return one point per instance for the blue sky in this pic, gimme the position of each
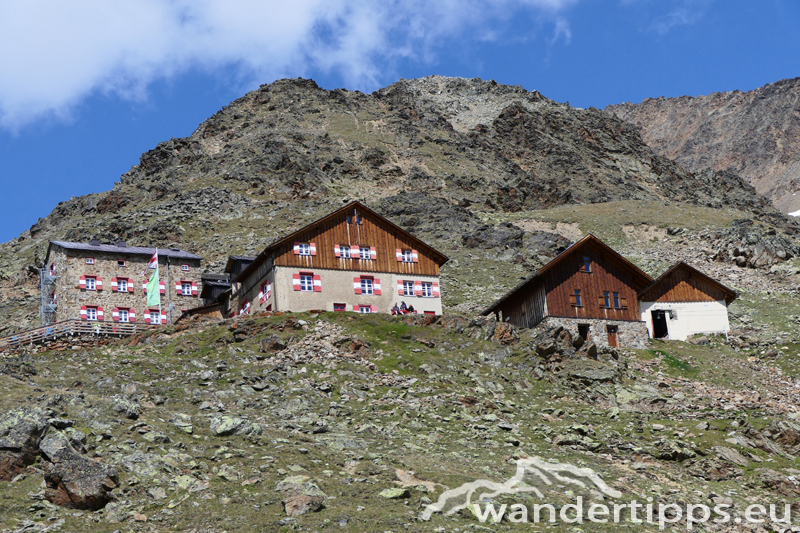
(86, 87)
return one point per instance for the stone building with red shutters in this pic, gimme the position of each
(105, 282)
(352, 259)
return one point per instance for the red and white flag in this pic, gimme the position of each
(151, 265)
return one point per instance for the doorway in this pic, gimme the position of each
(660, 330)
(583, 331)
(613, 340)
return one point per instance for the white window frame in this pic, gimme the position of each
(408, 288)
(91, 313)
(186, 288)
(90, 260)
(406, 256)
(427, 289)
(306, 283)
(367, 286)
(303, 248)
(365, 309)
(122, 263)
(155, 317)
(122, 285)
(344, 251)
(184, 267)
(91, 283)
(123, 315)
(364, 253)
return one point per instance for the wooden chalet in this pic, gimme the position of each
(589, 288)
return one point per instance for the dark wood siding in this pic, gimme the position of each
(525, 308)
(682, 286)
(371, 232)
(605, 275)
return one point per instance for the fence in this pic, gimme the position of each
(72, 327)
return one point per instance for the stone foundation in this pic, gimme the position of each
(629, 334)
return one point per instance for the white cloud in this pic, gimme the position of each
(56, 53)
(687, 13)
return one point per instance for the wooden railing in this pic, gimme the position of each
(72, 327)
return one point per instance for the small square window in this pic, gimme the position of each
(91, 284)
(306, 282)
(363, 252)
(90, 260)
(366, 286)
(186, 288)
(344, 251)
(185, 267)
(364, 309)
(408, 288)
(121, 263)
(340, 307)
(427, 289)
(304, 248)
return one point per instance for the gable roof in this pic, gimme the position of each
(730, 294)
(130, 250)
(439, 257)
(639, 276)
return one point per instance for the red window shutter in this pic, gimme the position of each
(376, 287)
(163, 316)
(357, 285)
(435, 286)
(417, 288)
(336, 250)
(98, 283)
(399, 253)
(82, 282)
(312, 248)
(130, 287)
(144, 287)
(373, 253)
(115, 314)
(414, 256)
(99, 313)
(400, 290)
(602, 301)
(296, 248)
(317, 283)
(83, 312)
(296, 281)
(162, 288)
(113, 284)
(623, 302)
(178, 288)
(194, 288)
(355, 251)
(373, 308)
(146, 316)
(131, 315)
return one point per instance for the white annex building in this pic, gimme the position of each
(683, 302)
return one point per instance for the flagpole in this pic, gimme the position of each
(169, 295)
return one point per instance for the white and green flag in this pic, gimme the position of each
(153, 292)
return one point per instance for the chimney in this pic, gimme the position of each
(122, 244)
(95, 241)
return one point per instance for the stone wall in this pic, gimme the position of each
(631, 334)
(70, 265)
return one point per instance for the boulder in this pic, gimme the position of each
(21, 431)
(223, 426)
(301, 495)
(125, 407)
(272, 344)
(72, 480)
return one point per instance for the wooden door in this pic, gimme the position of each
(612, 336)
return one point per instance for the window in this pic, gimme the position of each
(266, 292)
(186, 288)
(340, 307)
(427, 289)
(124, 315)
(606, 299)
(90, 260)
(122, 285)
(429, 312)
(121, 263)
(363, 252)
(303, 248)
(91, 283)
(587, 264)
(406, 255)
(306, 282)
(408, 288)
(184, 267)
(364, 309)
(344, 251)
(155, 316)
(578, 298)
(616, 300)
(366, 286)
(91, 313)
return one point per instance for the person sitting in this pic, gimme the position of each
(411, 309)
(403, 307)
(395, 309)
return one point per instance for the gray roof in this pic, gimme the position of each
(131, 250)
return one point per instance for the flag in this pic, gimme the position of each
(153, 292)
(152, 264)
